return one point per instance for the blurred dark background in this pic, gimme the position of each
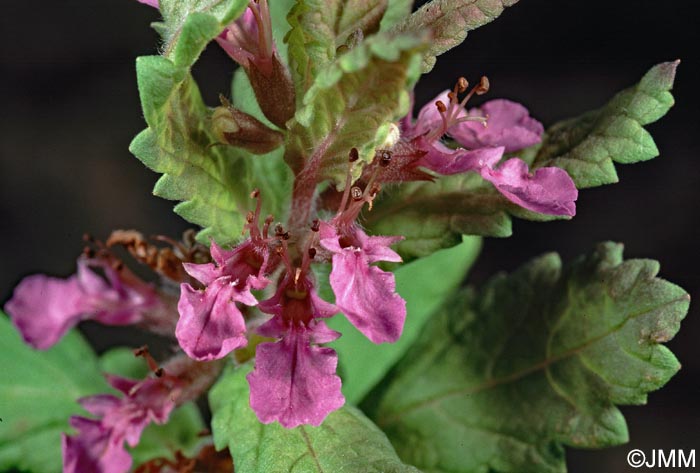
(70, 108)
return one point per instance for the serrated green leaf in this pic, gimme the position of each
(588, 146)
(503, 379)
(347, 442)
(213, 181)
(424, 284)
(38, 395)
(435, 215)
(319, 27)
(181, 433)
(352, 103)
(449, 21)
(188, 25)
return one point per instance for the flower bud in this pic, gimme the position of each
(233, 127)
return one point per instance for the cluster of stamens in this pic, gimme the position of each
(450, 112)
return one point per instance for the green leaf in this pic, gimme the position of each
(500, 381)
(424, 284)
(434, 215)
(213, 181)
(188, 25)
(352, 103)
(347, 442)
(180, 433)
(450, 21)
(38, 394)
(319, 27)
(588, 146)
(122, 361)
(396, 11)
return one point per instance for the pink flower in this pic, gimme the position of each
(508, 124)
(99, 444)
(44, 308)
(249, 38)
(498, 126)
(93, 449)
(294, 381)
(211, 325)
(365, 293)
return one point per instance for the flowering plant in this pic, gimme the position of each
(320, 192)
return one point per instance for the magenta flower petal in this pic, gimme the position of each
(446, 161)
(210, 325)
(508, 124)
(150, 400)
(44, 308)
(429, 118)
(294, 382)
(99, 404)
(99, 443)
(93, 449)
(364, 293)
(367, 297)
(151, 3)
(549, 190)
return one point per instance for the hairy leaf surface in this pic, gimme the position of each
(503, 379)
(320, 27)
(212, 181)
(352, 103)
(449, 21)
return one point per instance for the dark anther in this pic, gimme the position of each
(89, 252)
(376, 188)
(451, 96)
(279, 229)
(141, 351)
(356, 193)
(255, 194)
(315, 225)
(285, 236)
(354, 155)
(385, 158)
(312, 253)
(224, 101)
(269, 219)
(483, 86)
(462, 84)
(440, 106)
(250, 216)
(159, 372)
